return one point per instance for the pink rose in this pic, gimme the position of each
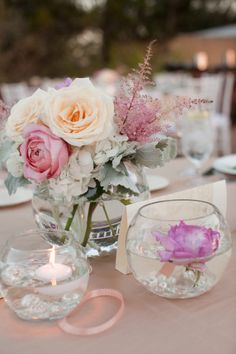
(187, 242)
(44, 154)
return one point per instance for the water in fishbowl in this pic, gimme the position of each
(34, 299)
(174, 280)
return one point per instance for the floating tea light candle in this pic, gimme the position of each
(53, 272)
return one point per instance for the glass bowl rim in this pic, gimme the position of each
(31, 232)
(214, 208)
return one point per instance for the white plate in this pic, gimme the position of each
(21, 196)
(226, 164)
(156, 182)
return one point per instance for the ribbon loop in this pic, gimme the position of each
(86, 331)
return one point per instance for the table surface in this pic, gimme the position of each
(150, 324)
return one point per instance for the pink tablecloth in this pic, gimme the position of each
(150, 324)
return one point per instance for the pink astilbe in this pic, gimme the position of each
(135, 114)
(140, 116)
(171, 107)
(141, 122)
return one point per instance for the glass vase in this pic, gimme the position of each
(51, 213)
(178, 248)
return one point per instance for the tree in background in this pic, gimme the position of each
(34, 37)
(127, 20)
(75, 37)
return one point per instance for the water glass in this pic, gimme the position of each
(197, 138)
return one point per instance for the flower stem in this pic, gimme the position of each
(108, 220)
(125, 201)
(92, 207)
(70, 219)
(198, 275)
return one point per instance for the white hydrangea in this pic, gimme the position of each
(75, 179)
(81, 164)
(113, 149)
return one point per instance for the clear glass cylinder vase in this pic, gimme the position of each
(57, 213)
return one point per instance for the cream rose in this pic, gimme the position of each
(80, 114)
(26, 111)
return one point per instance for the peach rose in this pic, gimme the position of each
(80, 114)
(26, 111)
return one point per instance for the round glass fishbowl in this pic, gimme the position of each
(178, 248)
(42, 275)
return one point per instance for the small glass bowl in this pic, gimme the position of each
(41, 280)
(178, 248)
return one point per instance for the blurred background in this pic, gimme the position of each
(43, 41)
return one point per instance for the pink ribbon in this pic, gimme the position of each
(68, 328)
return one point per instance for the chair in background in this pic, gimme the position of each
(215, 87)
(221, 117)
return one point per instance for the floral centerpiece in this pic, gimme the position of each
(77, 142)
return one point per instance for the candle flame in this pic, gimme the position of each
(52, 256)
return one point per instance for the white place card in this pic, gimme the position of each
(214, 193)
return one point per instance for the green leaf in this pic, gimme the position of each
(169, 152)
(5, 150)
(120, 168)
(128, 151)
(123, 191)
(161, 144)
(153, 155)
(112, 177)
(12, 183)
(94, 193)
(125, 201)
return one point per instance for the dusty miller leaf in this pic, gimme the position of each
(94, 193)
(12, 183)
(116, 178)
(170, 151)
(129, 151)
(153, 155)
(5, 150)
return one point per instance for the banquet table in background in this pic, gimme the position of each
(150, 324)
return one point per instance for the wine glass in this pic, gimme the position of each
(197, 138)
